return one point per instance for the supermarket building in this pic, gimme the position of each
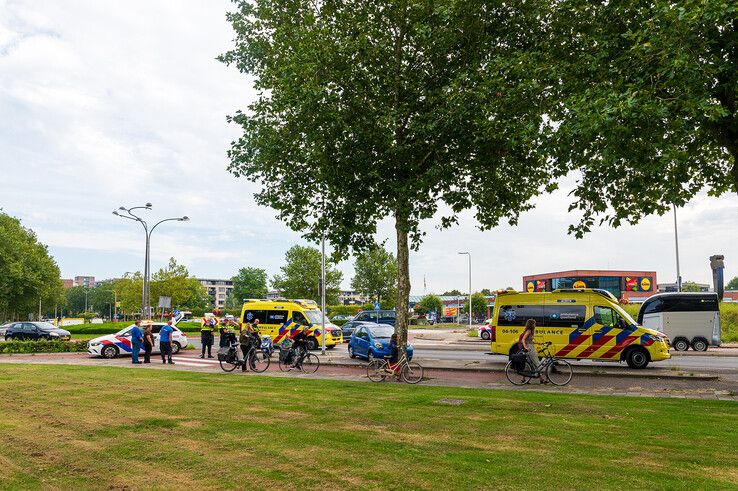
(629, 285)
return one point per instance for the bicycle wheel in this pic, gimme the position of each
(259, 360)
(285, 365)
(375, 370)
(230, 363)
(412, 373)
(515, 377)
(310, 363)
(559, 372)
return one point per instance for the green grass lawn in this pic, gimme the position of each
(77, 427)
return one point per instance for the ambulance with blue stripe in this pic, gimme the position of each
(581, 323)
(282, 318)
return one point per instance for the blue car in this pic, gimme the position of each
(371, 341)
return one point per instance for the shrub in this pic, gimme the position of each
(42, 346)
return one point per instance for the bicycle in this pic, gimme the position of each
(300, 359)
(379, 369)
(258, 360)
(558, 371)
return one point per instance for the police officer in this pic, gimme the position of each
(207, 336)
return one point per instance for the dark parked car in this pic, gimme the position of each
(377, 316)
(30, 331)
(348, 328)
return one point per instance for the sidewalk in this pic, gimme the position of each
(438, 374)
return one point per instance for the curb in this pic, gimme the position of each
(576, 370)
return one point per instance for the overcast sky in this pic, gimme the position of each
(108, 103)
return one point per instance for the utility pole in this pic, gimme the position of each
(322, 294)
(470, 289)
(676, 244)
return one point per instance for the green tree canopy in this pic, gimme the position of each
(479, 304)
(690, 286)
(452, 293)
(175, 281)
(301, 275)
(732, 284)
(376, 275)
(27, 272)
(432, 303)
(486, 291)
(249, 283)
(75, 299)
(647, 110)
(410, 105)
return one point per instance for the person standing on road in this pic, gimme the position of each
(527, 343)
(136, 342)
(207, 337)
(245, 339)
(165, 342)
(148, 342)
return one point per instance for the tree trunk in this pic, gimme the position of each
(403, 282)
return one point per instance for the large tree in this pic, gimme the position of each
(248, 283)
(28, 274)
(647, 112)
(432, 303)
(417, 107)
(376, 275)
(300, 276)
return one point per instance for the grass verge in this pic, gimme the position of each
(103, 427)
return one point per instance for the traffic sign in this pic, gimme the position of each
(377, 306)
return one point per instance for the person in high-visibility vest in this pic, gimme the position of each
(207, 336)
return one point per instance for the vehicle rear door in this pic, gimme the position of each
(30, 331)
(155, 332)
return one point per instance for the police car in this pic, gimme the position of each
(113, 345)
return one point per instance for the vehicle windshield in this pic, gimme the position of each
(382, 332)
(625, 315)
(45, 326)
(314, 316)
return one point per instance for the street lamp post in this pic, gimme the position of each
(470, 288)
(128, 214)
(676, 244)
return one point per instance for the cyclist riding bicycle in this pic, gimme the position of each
(526, 342)
(299, 347)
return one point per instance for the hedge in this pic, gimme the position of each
(42, 346)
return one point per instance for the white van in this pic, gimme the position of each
(688, 319)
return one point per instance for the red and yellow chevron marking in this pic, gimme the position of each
(619, 347)
(595, 346)
(573, 345)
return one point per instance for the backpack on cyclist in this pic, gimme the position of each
(518, 360)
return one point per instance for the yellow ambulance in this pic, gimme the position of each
(282, 318)
(581, 323)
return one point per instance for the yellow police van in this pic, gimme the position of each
(581, 323)
(283, 318)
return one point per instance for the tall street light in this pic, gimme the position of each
(127, 213)
(676, 244)
(470, 290)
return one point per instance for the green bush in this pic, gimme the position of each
(342, 309)
(422, 321)
(42, 346)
